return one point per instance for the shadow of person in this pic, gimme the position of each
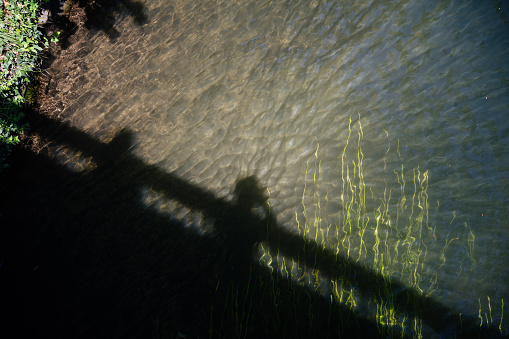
(243, 225)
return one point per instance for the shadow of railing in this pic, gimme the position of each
(84, 254)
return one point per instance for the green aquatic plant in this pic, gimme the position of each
(383, 234)
(381, 241)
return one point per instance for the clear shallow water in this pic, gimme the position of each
(217, 91)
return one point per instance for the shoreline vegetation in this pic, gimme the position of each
(33, 34)
(22, 42)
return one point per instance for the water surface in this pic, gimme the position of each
(216, 91)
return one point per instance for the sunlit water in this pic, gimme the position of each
(219, 90)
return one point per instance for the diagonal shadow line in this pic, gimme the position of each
(228, 216)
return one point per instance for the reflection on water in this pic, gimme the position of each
(220, 90)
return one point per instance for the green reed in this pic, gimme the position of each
(485, 315)
(383, 238)
(387, 230)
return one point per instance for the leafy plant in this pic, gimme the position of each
(54, 37)
(20, 45)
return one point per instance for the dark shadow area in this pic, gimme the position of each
(100, 14)
(82, 256)
(96, 15)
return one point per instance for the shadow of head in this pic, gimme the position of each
(249, 193)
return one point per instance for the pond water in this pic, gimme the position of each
(379, 129)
